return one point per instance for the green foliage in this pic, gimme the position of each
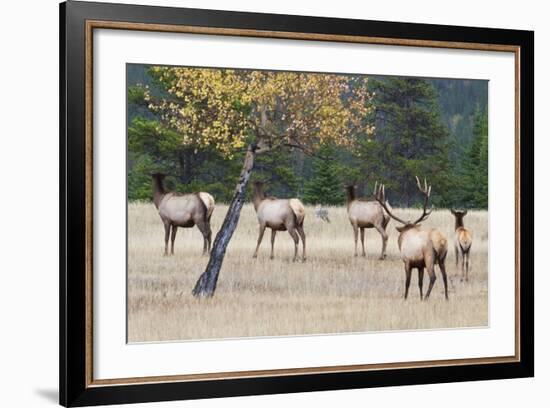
(410, 140)
(279, 170)
(139, 180)
(477, 162)
(153, 148)
(136, 95)
(430, 128)
(325, 186)
(457, 102)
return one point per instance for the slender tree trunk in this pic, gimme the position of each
(206, 285)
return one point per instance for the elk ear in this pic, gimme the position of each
(453, 211)
(464, 212)
(401, 228)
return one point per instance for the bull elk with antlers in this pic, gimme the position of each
(419, 248)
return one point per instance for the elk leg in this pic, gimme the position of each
(294, 236)
(431, 274)
(462, 276)
(204, 229)
(420, 280)
(467, 256)
(260, 237)
(384, 236)
(209, 236)
(456, 257)
(408, 271)
(174, 231)
(166, 238)
(444, 274)
(355, 232)
(363, 241)
(300, 230)
(273, 233)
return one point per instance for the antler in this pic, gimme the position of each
(426, 191)
(380, 196)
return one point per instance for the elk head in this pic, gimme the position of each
(350, 193)
(459, 213)
(459, 216)
(380, 196)
(160, 176)
(258, 187)
(158, 188)
(258, 194)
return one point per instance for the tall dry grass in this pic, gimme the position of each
(332, 292)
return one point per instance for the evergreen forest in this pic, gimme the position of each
(433, 128)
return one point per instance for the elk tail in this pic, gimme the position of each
(298, 210)
(209, 203)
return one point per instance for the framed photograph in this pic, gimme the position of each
(389, 166)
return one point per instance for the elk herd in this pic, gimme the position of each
(420, 248)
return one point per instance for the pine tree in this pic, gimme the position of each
(154, 148)
(477, 163)
(324, 187)
(410, 139)
(278, 171)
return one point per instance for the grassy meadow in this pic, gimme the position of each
(332, 292)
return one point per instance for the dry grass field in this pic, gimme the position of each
(332, 292)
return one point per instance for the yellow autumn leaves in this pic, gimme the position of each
(226, 108)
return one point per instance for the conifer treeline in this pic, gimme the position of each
(437, 128)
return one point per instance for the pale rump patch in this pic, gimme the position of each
(464, 239)
(414, 245)
(298, 209)
(439, 242)
(209, 202)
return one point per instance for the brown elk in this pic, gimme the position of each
(363, 214)
(419, 248)
(279, 215)
(182, 210)
(463, 242)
